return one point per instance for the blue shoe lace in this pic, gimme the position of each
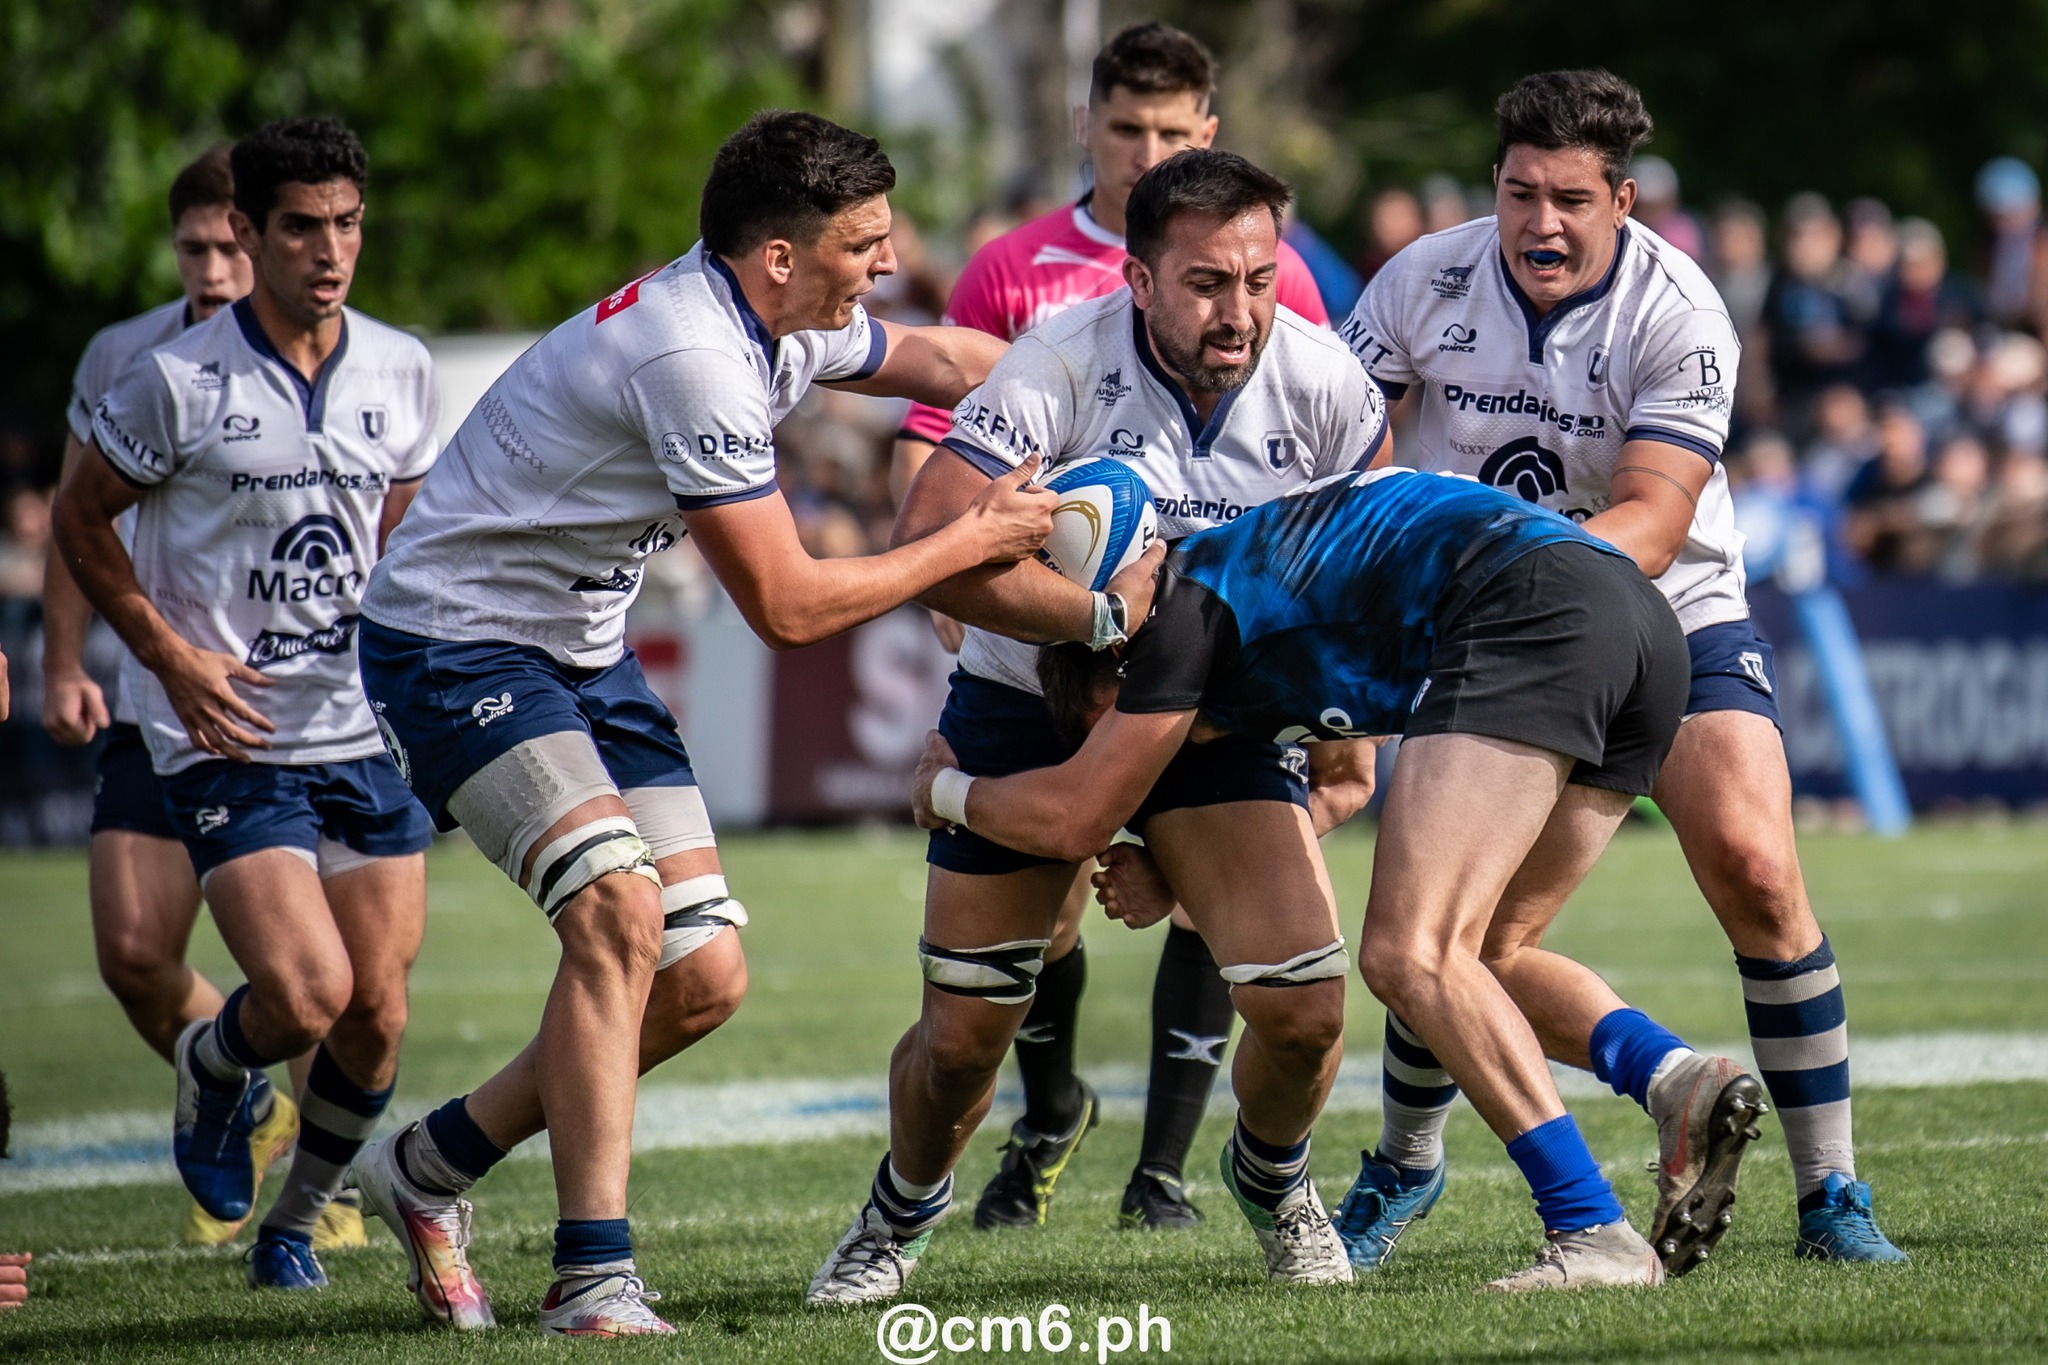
(281, 1262)
(1377, 1209)
(1843, 1228)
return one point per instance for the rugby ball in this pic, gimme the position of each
(1103, 521)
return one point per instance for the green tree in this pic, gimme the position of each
(526, 157)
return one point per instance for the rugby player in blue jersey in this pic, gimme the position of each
(1537, 677)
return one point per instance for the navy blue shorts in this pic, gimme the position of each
(1733, 670)
(996, 730)
(129, 795)
(223, 809)
(448, 708)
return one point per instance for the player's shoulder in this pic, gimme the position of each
(1443, 263)
(1086, 330)
(1665, 278)
(114, 345)
(1308, 353)
(373, 343)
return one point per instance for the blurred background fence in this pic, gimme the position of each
(1860, 179)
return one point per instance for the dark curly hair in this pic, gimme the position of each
(310, 151)
(785, 175)
(1153, 59)
(1594, 109)
(1198, 180)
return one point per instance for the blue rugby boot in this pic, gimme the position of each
(1842, 1227)
(282, 1260)
(210, 1134)
(1377, 1209)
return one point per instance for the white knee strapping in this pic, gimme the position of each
(1002, 973)
(694, 910)
(583, 855)
(1317, 964)
(671, 819)
(518, 796)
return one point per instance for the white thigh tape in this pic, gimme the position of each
(693, 912)
(671, 819)
(1002, 973)
(518, 796)
(583, 855)
(1317, 964)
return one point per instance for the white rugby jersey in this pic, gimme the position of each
(1544, 406)
(112, 350)
(575, 465)
(258, 523)
(1086, 385)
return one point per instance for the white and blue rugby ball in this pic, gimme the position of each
(1103, 521)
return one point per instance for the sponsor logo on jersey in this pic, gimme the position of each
(103, 426)
(1452, 282)
(1596, 366)
(309, 476)
(1523, 403)
(1283, 449)
(492, 708)
(313, 545)
(275, 647)
(1111, 388)
(724, 447)
(1706, 362)
(1459, 337)
(1369, 349)
(375, 420)
(208, 378)
(241, 428)
(620, 579)
(1529, 471)
(1198, 509)
(996, 429)
(1125, 444)
(626, 297)
(210, 818)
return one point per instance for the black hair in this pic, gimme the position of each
(206, 183)
(1199, 180)
(1594, 109)
(1072, 676)
(785, 175)
(306, 151)
(1153, 59)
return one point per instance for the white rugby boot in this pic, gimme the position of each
(1605, 1254)
(433, 1229)
(868, 1266)
(607, 1300)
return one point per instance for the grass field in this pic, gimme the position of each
(759, 1144)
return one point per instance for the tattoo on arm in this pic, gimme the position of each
(1660, 474)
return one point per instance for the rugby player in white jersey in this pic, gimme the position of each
(1221, 400)
(143, 896)
(1563, 351)
(1149, 96)
(493, 651)
(268, 452)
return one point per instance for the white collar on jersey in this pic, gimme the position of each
(750, 321)
(1085, 224)
(1540, 328)
(313, 395)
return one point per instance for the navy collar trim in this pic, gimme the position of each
(312, 396)
(1202, 436)
(1540, 328)
(756, 329)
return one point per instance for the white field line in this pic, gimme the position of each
(133, 1147)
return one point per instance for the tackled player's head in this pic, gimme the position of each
(1204, 236)
(210, 261)
(299, 213)
(1148, 97)
(1561, 186)
(1079, 685)
(810, 200)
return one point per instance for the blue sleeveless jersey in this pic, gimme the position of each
(1315, 615)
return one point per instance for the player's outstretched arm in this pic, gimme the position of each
(74, 710)
(1656, 489)
(937, 366)
(1341, 774)
(197, 681)
(1068, 812)
(792, 600)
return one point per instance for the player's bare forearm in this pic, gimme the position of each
(67, 615)
(1025, 600)
(1340, 781)
(906, 457)
(936, 366)
(98, 563)
(1656, 489)
(791, 600)
(395, 503)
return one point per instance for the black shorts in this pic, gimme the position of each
(1570, 649)
(129, 795)
(996, 730)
